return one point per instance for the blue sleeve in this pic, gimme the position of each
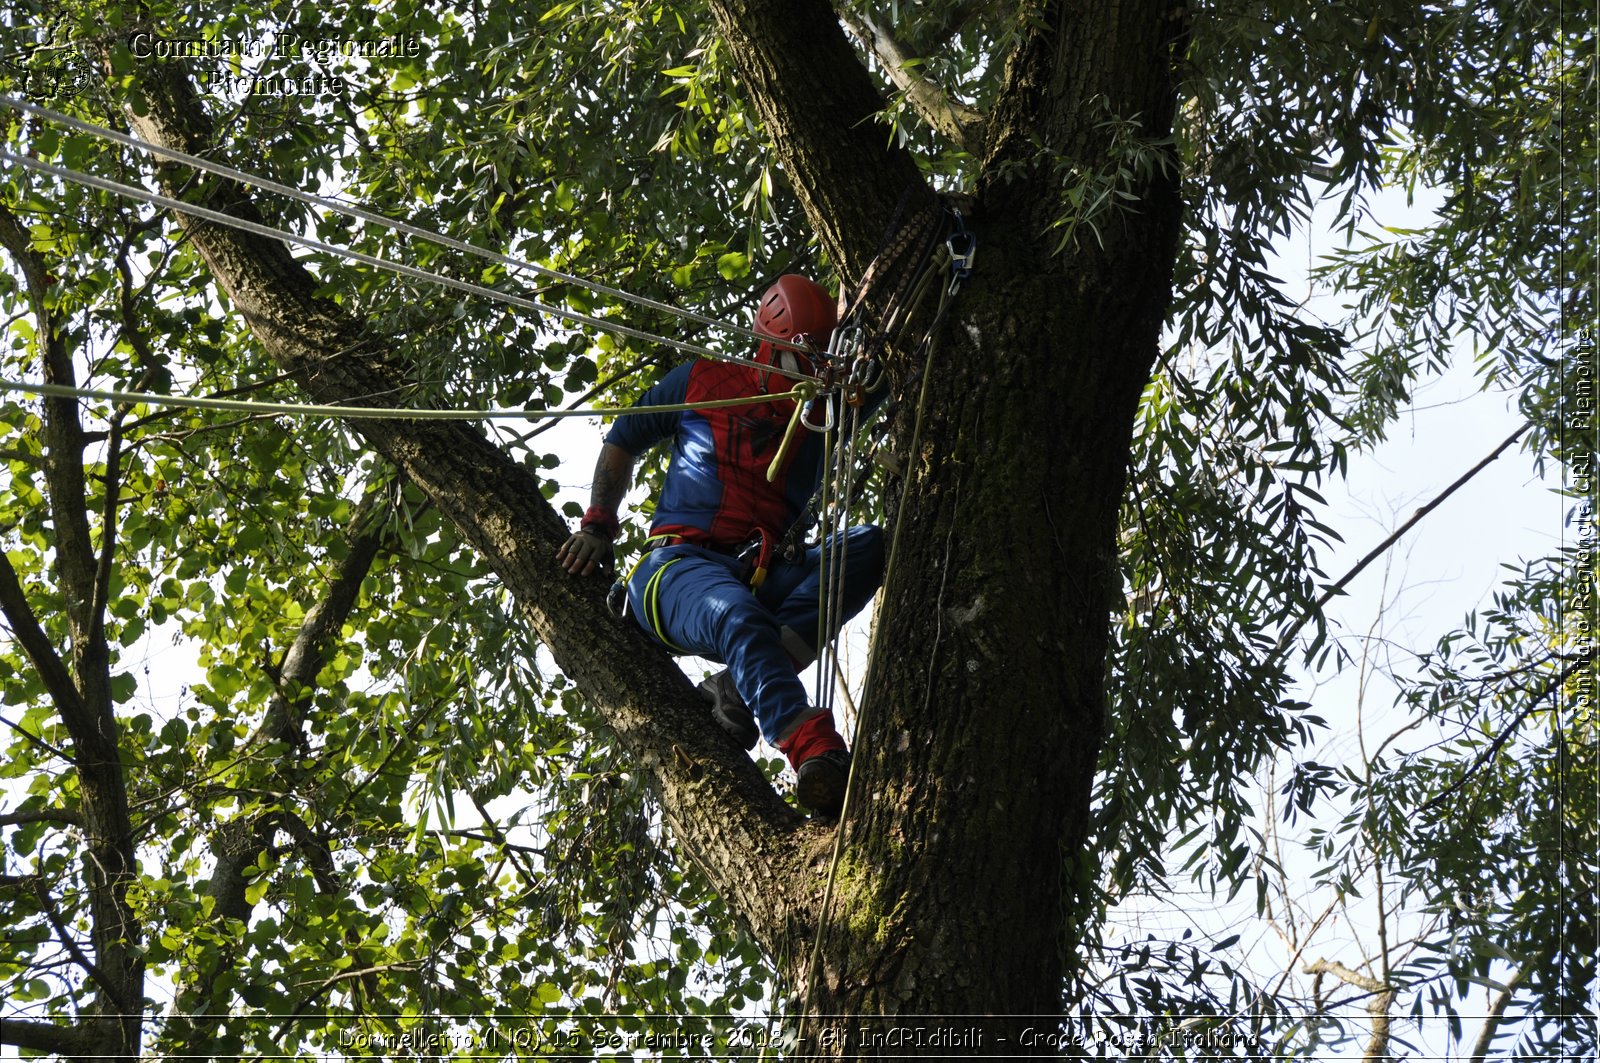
(638, 432)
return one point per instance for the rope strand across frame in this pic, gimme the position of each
(352, 211)
(802, 393)
(377, 261)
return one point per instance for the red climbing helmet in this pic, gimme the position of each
(796, 310)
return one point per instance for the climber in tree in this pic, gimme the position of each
(714, 583)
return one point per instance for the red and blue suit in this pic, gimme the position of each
(692, 593)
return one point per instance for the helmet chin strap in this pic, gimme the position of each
(785, 360)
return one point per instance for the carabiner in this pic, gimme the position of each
(827, 423)
(962, 246)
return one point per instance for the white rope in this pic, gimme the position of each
(353, 211)
(803, 393)
(168, 203)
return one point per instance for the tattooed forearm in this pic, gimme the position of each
(613, 474)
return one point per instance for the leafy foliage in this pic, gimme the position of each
(430, 823)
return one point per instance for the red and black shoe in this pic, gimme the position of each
(821, 765)
(729, 709)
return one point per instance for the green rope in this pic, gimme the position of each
(874, 651)
(793, 429)
(800, 393)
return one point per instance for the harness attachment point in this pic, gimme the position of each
(962, 246)
(617, 599)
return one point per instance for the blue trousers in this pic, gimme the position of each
(693, 601)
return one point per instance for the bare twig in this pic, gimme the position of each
(1506, 732)
(1378, 551)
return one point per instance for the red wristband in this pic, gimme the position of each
(602, 522)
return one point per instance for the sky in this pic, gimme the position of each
(1445, 567)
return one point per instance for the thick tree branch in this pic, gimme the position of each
(952, 118)
(63, 816)
(820, 105)
(67, 488)
(14, 238)
(69, 1042)
(1082, 95)
(36, 644)
(724, 811)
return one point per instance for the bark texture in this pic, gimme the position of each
(982, 733)
(985, 716)
(760, 852)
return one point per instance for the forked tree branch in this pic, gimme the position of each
(950, 117)
(819, 104)
(1378, 1006)
(1497, 1010)
(114, 959)
(25, 628)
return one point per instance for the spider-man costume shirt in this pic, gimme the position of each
(716, 492)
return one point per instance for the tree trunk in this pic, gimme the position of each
(973, 783)
(984, 720)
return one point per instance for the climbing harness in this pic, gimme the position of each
(754, 556)
(652, 604)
